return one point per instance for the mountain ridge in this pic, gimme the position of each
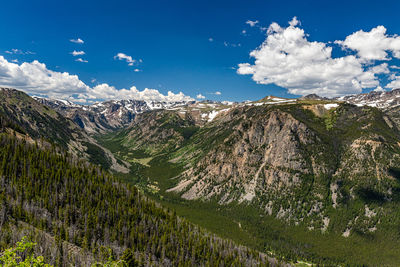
(111, 115)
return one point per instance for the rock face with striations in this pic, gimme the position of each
(292, 163)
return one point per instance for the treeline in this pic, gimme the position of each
(80, 204)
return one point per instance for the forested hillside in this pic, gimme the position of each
(85, 211)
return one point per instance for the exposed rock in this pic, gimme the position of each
(313, 97)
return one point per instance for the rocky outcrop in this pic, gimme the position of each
(286, 160)
(258, 155)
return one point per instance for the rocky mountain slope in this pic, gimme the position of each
(294, 163)
(21, 113)
(106, 116)
(382, 100)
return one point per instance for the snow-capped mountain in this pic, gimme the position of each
(382, 100)
(105, 116)
(108, 115)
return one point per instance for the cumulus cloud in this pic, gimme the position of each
(252, 23)
(78, 53)
(77, 41)
(105, 91)
(128, 59)
(288, 59)
(200, 96)
(81, 60)
(210, 39)
(218, 93)
(36, 79)
(373, 45)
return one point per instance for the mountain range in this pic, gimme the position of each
(308, 179)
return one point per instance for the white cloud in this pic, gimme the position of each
(226, 44)
(128, 59)
(395, 67)
(77, 41)
(136, 70)
(81, 60)
(286, 58)
(218, 93)
(14, 60)
(210, 39)
(77, 53)
(105, 91)
(373, 45)
(200, 96)
(34, 78)
(19, 52)
(294, 22)
(382, 68)
(252, 23)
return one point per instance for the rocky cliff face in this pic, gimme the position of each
(294, 163)
(255, 151)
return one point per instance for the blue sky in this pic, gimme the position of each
(172, 39)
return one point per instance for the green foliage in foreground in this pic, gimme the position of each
(21, 255)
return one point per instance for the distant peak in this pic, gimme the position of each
(313, 97)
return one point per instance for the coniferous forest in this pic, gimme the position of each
(91, 217)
